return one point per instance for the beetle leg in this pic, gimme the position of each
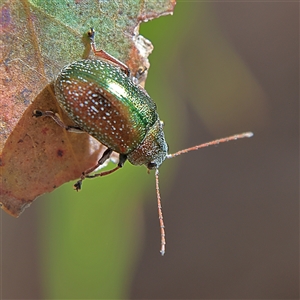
(104, 157)
(57, 119)
(103, 54)
(78, 184)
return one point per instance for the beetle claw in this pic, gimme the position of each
(77, 185)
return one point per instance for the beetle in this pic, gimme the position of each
(106, 101)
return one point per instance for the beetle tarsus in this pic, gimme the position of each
(91, 34)
(37, 113)
(77, 185)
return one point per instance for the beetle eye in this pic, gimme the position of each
(151, 165)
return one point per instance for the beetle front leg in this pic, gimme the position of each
(57, 119)
(104, 157)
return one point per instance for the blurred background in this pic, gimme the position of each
(231, 212)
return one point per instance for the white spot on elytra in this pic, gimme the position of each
(94, 108)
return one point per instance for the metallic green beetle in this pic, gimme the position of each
(103, 100)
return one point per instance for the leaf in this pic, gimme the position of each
(38, 39)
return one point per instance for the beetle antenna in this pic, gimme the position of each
(215, 142)
(160, 216)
